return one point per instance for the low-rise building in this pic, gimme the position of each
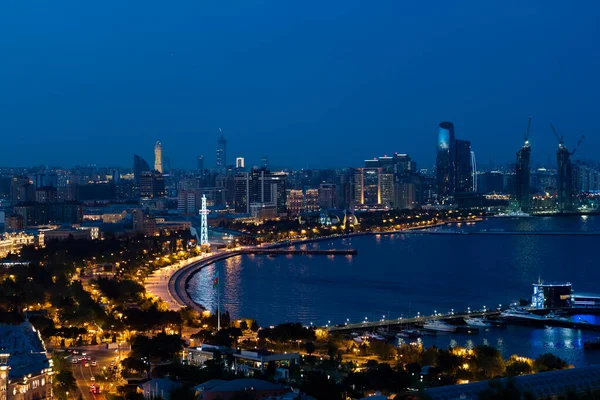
(249, 362)
(25, 369)
(226, 390)
(13, 242)
(200, 355)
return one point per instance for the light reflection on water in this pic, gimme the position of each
(397, 274)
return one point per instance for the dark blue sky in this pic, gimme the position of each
(310, 84)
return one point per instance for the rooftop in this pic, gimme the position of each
(542, 385)
(237, 385)
(26, 349)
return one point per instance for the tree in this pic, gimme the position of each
(254, 326)
(244, 325)
(488, 362)
(549, 362)
(309, 347)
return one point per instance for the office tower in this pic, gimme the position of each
(139, 165)
(311, 200)
(463, 175)
(158, 166)
(259, 187)
(367, 186)
(327, 196)
(152, 185)
(445, 159)
(564, 174)
(491, 182)
(264, 161)
(221, 152)
(239, 163)
(201, 164)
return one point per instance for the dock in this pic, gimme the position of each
(306, 252)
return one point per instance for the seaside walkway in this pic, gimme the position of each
(172, 287)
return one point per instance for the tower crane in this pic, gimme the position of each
(560, 140)
(577, 145)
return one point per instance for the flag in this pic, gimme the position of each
(216, 281)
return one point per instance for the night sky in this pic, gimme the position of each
(308, 83)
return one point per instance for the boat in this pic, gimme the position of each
(477, 322)
(516, 314)
(555, 317)
(439, 326)
(592, 344)
(514, 214)
(409, 333)
(372, 336)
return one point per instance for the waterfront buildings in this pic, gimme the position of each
(158, 158)
(445, 159)
(25, 368)
(327, 196)
(454, 171)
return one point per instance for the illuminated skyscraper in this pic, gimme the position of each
(158, 166)
(239, 163)
(445, 159)
(201, 164)
(221, 152)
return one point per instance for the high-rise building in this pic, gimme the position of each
(564, 174)
(201, 164)
(239, 163)
(463, 175)
(152, 185)
(327, 196)
(367, 186)
(221, 153)
(522, 179)
(295, 202)
(139, 165)
(158, 164)
(445, 160)
(259, 186)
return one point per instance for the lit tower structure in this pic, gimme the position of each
(474, 171)
(522, 189)
(158, 157)
(204, 224)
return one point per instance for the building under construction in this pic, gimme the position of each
(522, 181)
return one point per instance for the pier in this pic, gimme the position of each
(333, 252)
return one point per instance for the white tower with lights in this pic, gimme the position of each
(203, 223)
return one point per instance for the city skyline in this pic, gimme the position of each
(342, 76)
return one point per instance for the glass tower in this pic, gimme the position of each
(445, 159)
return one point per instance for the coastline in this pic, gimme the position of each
(178, 281)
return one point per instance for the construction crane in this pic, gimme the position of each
(577, 145)
(560, 140)
(527, 132)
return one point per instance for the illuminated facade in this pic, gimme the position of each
(13, 242)
(368, 185)
(239, 163)
(25, 369)
(311, 198)
(445, 159)
(551, 295)
(158, 165)
(295, 202)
